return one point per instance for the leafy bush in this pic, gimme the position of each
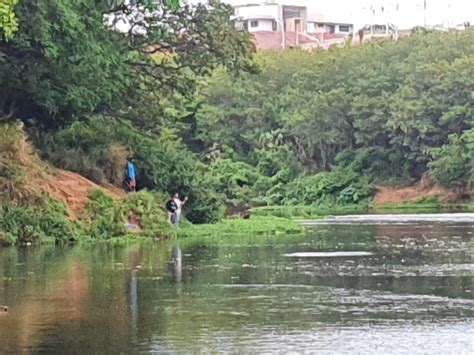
(103, 217)
(23, 224)
(106, 218)
(237, 180)
(147, 210)
(204, 206)
(114, 162)
(339, 186)
(452, 163)
(279, 162)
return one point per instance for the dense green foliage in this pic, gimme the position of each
(453, 163)
(8, 19)
(104, 218)
(180, 90)
(29, 215)
(24, 224)
(93, 95)
(379, 106)
(61, 64)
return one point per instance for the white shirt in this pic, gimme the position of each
(179, 204)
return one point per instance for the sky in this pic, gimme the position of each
(410, 12)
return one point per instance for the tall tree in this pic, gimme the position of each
(69, 58)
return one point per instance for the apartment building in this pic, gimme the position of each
(316, 26)
(280, 24)
(271, 16)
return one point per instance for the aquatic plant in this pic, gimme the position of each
(255, 226)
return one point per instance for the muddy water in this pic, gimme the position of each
(354, 284)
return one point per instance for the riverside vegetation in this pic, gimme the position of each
(205, 115)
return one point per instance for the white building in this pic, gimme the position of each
(271, 16)
(315, 26)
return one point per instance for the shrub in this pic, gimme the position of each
(147, 210)
(103, 218)
(452, 163)
(114, 162)
(106, 218)
(23, 224)
(341, 185)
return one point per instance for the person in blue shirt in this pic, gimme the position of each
(131, 176)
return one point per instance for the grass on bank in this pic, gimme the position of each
(425, 204)
(305, 211)
(257, 226)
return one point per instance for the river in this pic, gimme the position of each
(354, 284)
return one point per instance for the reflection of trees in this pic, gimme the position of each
(43, 289)
(103, 297)
(86, 297)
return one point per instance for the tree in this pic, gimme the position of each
(390, 101)
(62, 65)
(8, 19)
(452, 165)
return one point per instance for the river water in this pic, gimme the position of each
(353, 284)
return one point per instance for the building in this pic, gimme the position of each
(277, 25)
(377, 31)
(330, 27)
(272, 17)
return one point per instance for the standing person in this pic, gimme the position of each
(171, 207)
(174, 207)
(131, 176)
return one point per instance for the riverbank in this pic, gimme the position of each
(316, 212)
(41, 204)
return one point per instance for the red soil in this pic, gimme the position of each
(425, 188)
(74, 190)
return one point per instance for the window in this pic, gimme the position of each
(253, 23)
(297, 25)
(274, 25)
(332, 28)
(343, 28)
(320, 25)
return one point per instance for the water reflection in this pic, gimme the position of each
(176, 263)
(412, 289)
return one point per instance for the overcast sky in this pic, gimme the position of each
(410, 12)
